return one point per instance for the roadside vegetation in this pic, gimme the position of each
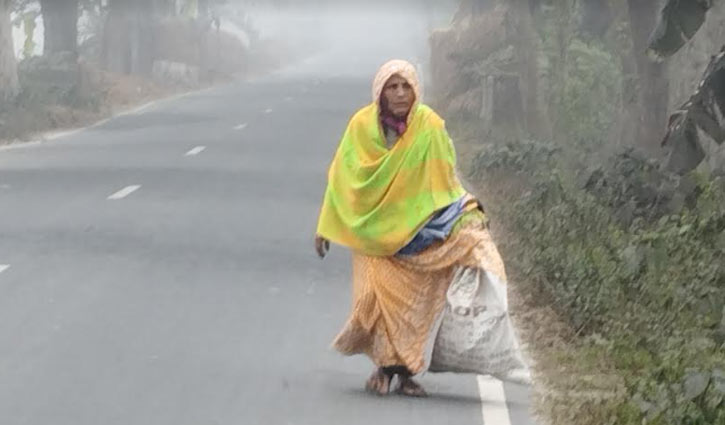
(611, 223)
(68, 63)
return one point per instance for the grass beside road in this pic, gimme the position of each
(617, 281)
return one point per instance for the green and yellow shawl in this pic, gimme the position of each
(377, 199)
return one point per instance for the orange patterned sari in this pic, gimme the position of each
(397, 300)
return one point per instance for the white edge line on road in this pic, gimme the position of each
(241, 127)
(59, 134)
(143, 108)
(4, 267)
(493, 401)
(124, 192)
(196, 151)
(140, 109)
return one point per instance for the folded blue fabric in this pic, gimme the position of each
(437, 228)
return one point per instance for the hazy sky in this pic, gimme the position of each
(356, 38)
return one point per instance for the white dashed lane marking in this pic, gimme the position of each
(196, 151)
(268, 111)
(4, 267)
(241, 127)
(124, 192)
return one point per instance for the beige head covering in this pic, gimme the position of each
(403, 68)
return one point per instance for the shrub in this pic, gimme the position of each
(648, 291)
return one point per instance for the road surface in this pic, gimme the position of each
(158, 269)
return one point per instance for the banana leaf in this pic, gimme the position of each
(679, 21)
(700, 118)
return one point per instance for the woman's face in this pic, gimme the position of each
(399, 96)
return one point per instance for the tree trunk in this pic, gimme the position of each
(9, 86)
(60, 22)
(652, 78)
(627, 124)
(128, 37)
(596, 18)
(562, 36)
(528, 47)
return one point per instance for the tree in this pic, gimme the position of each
(128, 37)
(652, 80)
(596, 17)
(9, 85)
(128, 46)
(527, 42)
(679, 22)
(701, 117)
(60, 19)
(29, 22)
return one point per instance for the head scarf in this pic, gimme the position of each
(407, 71)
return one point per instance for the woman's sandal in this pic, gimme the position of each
(408, 387)
(378, 383)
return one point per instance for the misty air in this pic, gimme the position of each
(497, 212)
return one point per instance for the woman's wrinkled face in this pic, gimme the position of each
(398, 96)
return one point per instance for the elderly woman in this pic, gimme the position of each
(394, 199)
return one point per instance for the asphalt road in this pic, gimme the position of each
(193, 296)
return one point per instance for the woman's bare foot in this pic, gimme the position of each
(378, 383)
(410, 388)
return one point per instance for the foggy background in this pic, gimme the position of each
(342, 38)
(353, 39)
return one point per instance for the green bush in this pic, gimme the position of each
(582, 78)
(587, 104)
(650, 289)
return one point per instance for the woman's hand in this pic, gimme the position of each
(322, 246)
